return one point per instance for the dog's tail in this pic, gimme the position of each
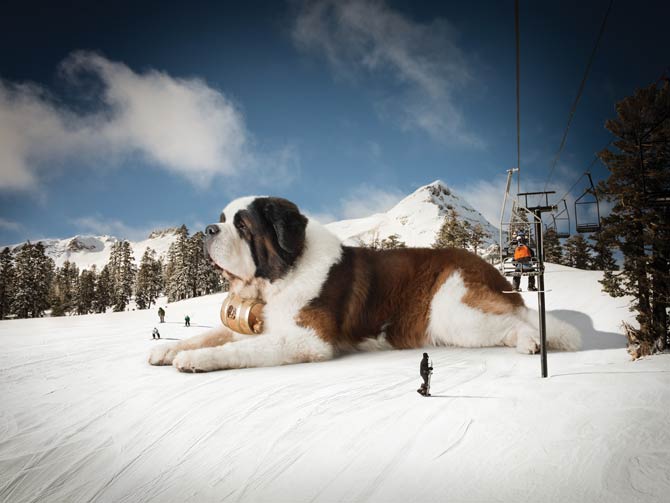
(560, 335)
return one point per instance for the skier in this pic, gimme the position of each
(161, 314)
(155, 334)
(187, 321)
(522, 257)
(425, 370)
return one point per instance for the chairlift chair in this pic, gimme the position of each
(508, 231)
(561, 221)
(588, 203)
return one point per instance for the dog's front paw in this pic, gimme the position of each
(528, 346)
(196, 360)
(162, 355)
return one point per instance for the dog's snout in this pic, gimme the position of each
(212, 230)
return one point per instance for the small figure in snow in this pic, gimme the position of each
(155, 334)
(161, 314)
(425, 370)
(187, 321)
(522, 258)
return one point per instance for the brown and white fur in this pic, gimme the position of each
(323, 298)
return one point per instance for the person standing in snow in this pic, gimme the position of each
(522, 258)
(155, 334)
(187, 321)
(161, 314)
(424, 370)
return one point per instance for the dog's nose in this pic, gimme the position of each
(212, 230)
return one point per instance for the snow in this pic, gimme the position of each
(85, 418)
(87, 251)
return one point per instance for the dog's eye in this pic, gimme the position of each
(222, 218)
(239, 224)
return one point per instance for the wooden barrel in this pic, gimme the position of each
(244, 316)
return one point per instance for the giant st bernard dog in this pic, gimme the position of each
(323, 298)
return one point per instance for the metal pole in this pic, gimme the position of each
(540, 292)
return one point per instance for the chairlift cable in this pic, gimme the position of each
(518, 99)
(579, 93)
(588, 168)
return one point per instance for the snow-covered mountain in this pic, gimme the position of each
(86, 251)
(416, 219)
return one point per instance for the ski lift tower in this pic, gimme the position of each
(509, 269)
(537, 214)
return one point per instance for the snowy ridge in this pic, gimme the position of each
(416, 219)
(87, 251)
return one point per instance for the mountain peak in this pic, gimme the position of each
(159, 233)
(416, 219)
(81, 243)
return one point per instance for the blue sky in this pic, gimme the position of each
(120, 118)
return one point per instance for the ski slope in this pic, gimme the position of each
(85, 418)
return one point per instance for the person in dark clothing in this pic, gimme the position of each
(161, 314)
(187, 321)
(424, 370)
(522, 258)
(155, 334)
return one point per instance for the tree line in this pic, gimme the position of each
(594, 253)
(453, 233)
(31, 284)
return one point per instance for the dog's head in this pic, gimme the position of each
(256, 237)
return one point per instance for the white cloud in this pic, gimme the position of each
(426, 65)
(366, 200)
(179, 124)
(486, 196)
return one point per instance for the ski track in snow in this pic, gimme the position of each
(85, 418)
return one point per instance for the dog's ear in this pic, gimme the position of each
(288, 224)
(277, 236)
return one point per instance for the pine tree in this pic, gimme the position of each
(196, 264)
(6, 282)
(177, 282)
(103, 291)
(553, 251)
(577, 252)
(602, 259)
(85, 294)
(34, 274)
(477, 237)
(149, 280)
(375, 243)
(122, 272)
(204, 278)
(63, 289)
(639, 223)
(453, 232)
(391, 242)
(158, 278)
